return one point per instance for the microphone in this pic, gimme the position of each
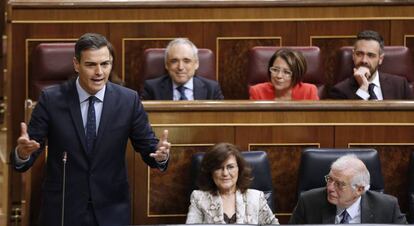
(64, 159)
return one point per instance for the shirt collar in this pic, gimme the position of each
(83, 95)
(375, 80)
(352, 210)
(188, 85)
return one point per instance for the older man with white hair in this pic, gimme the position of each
(346, 199)
(182, 81)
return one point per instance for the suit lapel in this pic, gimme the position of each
(199, 90)
(215, 209)
(110, 100)
(166, 89)
(366, 213)
(74, 106)
(386, 89)
(240, 208)
(328, 214)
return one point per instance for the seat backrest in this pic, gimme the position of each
(316, 162)
(410, 214)
(262, 179)
(259, 57)
(397, 61)
(154, 63)
(51, 63)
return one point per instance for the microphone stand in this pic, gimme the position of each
(63, 187)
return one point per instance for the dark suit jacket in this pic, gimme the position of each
(393, 87)
(161, 88)
(314, 208)
(101, 176)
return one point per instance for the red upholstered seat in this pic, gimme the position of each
(259, 57)
(154, 65)
(397, 61)
(51, 63)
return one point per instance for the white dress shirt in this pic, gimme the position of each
(188, 91)
(377, 89)
(354, 212)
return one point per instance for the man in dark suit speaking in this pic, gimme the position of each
(87, 122)
(181, 83)
(367, 83)
(346, 199)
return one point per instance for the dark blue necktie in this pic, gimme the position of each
(91, 124)
(345, 218)
(182, 94)
(371, 92)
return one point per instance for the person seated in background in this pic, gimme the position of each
(346, 199)
(286, 70)
(224, 197)
(367, 83)
(181, 83)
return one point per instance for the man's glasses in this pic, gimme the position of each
(277, 70)
(338, 184)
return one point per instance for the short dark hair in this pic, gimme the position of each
(371, 35)
(295, 60)
(92, 41)
(213, 160)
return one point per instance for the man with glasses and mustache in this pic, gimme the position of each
(367, 83)
(346, 199)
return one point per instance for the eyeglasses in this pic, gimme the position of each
(338, 184)
(230, 168)
(277, 70)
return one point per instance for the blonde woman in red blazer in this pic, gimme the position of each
(286, 70)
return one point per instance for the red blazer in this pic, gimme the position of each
(266, 91)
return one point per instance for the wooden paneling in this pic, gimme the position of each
(229, 41)
(394, 143)
(229, 29)
(232, 63)
(2, 46)
(202, 10)
(133, 50)
(284, 145)
(283, 131)
(329, 36)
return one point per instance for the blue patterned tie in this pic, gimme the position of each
(91, 125)
(345, 217)
(371, 92)
(182, 94)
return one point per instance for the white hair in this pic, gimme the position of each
(182, 41)
(351, 162)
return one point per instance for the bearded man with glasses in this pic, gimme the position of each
(346, 199)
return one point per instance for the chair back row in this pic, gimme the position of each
(316, 163)
(52, 64)
(259, 57)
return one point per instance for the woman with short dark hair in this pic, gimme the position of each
(286, 70)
